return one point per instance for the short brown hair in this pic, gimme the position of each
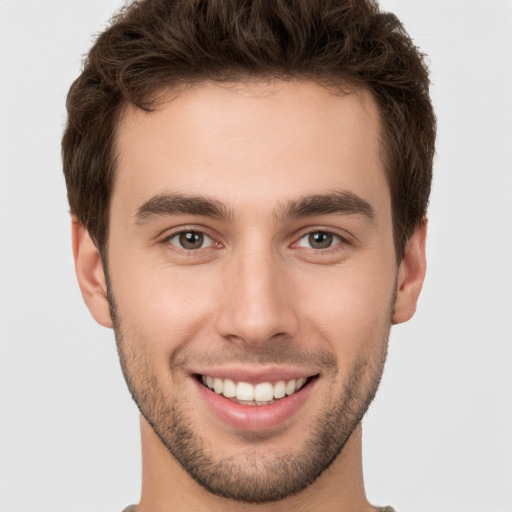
(155, 44)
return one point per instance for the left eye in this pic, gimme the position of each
(319, 240)
(190, 240)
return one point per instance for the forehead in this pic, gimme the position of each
(257, 142)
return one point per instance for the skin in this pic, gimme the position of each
(256, 289)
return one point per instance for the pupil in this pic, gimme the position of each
(320, 240)
(191, 240)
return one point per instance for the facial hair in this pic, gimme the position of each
(253, 478)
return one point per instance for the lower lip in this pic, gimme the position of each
(255, 417)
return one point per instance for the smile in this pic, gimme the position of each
(254, 400)
(263, 393)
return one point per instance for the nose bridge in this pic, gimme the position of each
(256, 304)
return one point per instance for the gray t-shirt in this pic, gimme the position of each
(132, 508)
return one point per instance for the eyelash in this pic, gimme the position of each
(185, 232)
(337, 240)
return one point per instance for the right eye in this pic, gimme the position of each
(190, 240)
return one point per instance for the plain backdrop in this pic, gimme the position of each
(439, 434)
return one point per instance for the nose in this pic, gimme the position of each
(256, 301)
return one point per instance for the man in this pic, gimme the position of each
(248, 183)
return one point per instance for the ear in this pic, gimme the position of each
(411, 274)
(89, 271)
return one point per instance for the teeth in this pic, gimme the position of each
(263, 392)
(218, 385)
(229, 390)
(244, 391)
(279, 389)
(291, 386)
(260, 394)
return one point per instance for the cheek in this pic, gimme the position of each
(163, 307)
(350, 309)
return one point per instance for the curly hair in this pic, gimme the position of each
(152, 45)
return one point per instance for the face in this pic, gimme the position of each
(252, 278)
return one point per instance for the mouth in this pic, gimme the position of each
(251, 399)
(255, 394)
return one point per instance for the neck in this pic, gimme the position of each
(166, 485)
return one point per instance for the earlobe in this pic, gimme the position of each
(89, 271)
(411, 275)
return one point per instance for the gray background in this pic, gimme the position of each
(439, 435)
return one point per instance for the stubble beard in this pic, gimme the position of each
(253, 478)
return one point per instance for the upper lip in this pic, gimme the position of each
(254, 375)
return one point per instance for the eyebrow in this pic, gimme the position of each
(163, 205)
(344, 202)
